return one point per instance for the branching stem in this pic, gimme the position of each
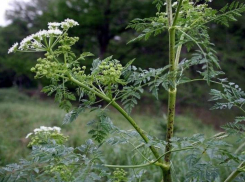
(235, 173)
(147, 164)
(177, 12)
(240, 148)
(130, 119)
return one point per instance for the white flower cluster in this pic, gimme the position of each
(69, 23)
(53, 25)
(34, 42)
(31, 42)
(13, 48)
(44, 129)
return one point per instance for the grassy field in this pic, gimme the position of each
(20, 114)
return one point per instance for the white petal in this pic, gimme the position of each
(29, 134)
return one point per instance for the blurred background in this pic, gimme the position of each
(102, 32)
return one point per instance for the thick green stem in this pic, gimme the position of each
(138, 129)
(170, 130)
(169, 12)
(172, 50)
(235, 173)
(171, 102)
(130, 119)
(172, 90)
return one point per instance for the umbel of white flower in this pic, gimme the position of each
(43, 39)
(44, 129)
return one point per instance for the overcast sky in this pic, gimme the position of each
(4, 4)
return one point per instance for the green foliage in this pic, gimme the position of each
(207, 160)
(148, 26)
(102, 127)
(72, 115)
(62, 95)
(234, 128)
(129, 97)
(232, 94)
(137, 79)
(237, 127)
(159, 4)
(54, 162)
(229, 13)
(22, 114)
(190, 29)
(120, 145)
(208, 64)
(109, 81)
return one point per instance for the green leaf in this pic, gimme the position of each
(72, 115)
(159, 4)
(71, 96)
(66, 105)
(101, 127)
(229, 13)
(130, 96)
(140, 37)
(84, 55)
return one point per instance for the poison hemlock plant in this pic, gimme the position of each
(175, 159)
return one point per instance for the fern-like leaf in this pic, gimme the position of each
(234, 128)
(230, 13)
(102, 126)
(130, 97)
(159, 4)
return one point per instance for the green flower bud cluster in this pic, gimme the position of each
(66, 43)
(68, 40)
(47, 68)
(78, 70)
(120, 175)
(64, 48)
(64, 171)
(110, 71)
(45, 137)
